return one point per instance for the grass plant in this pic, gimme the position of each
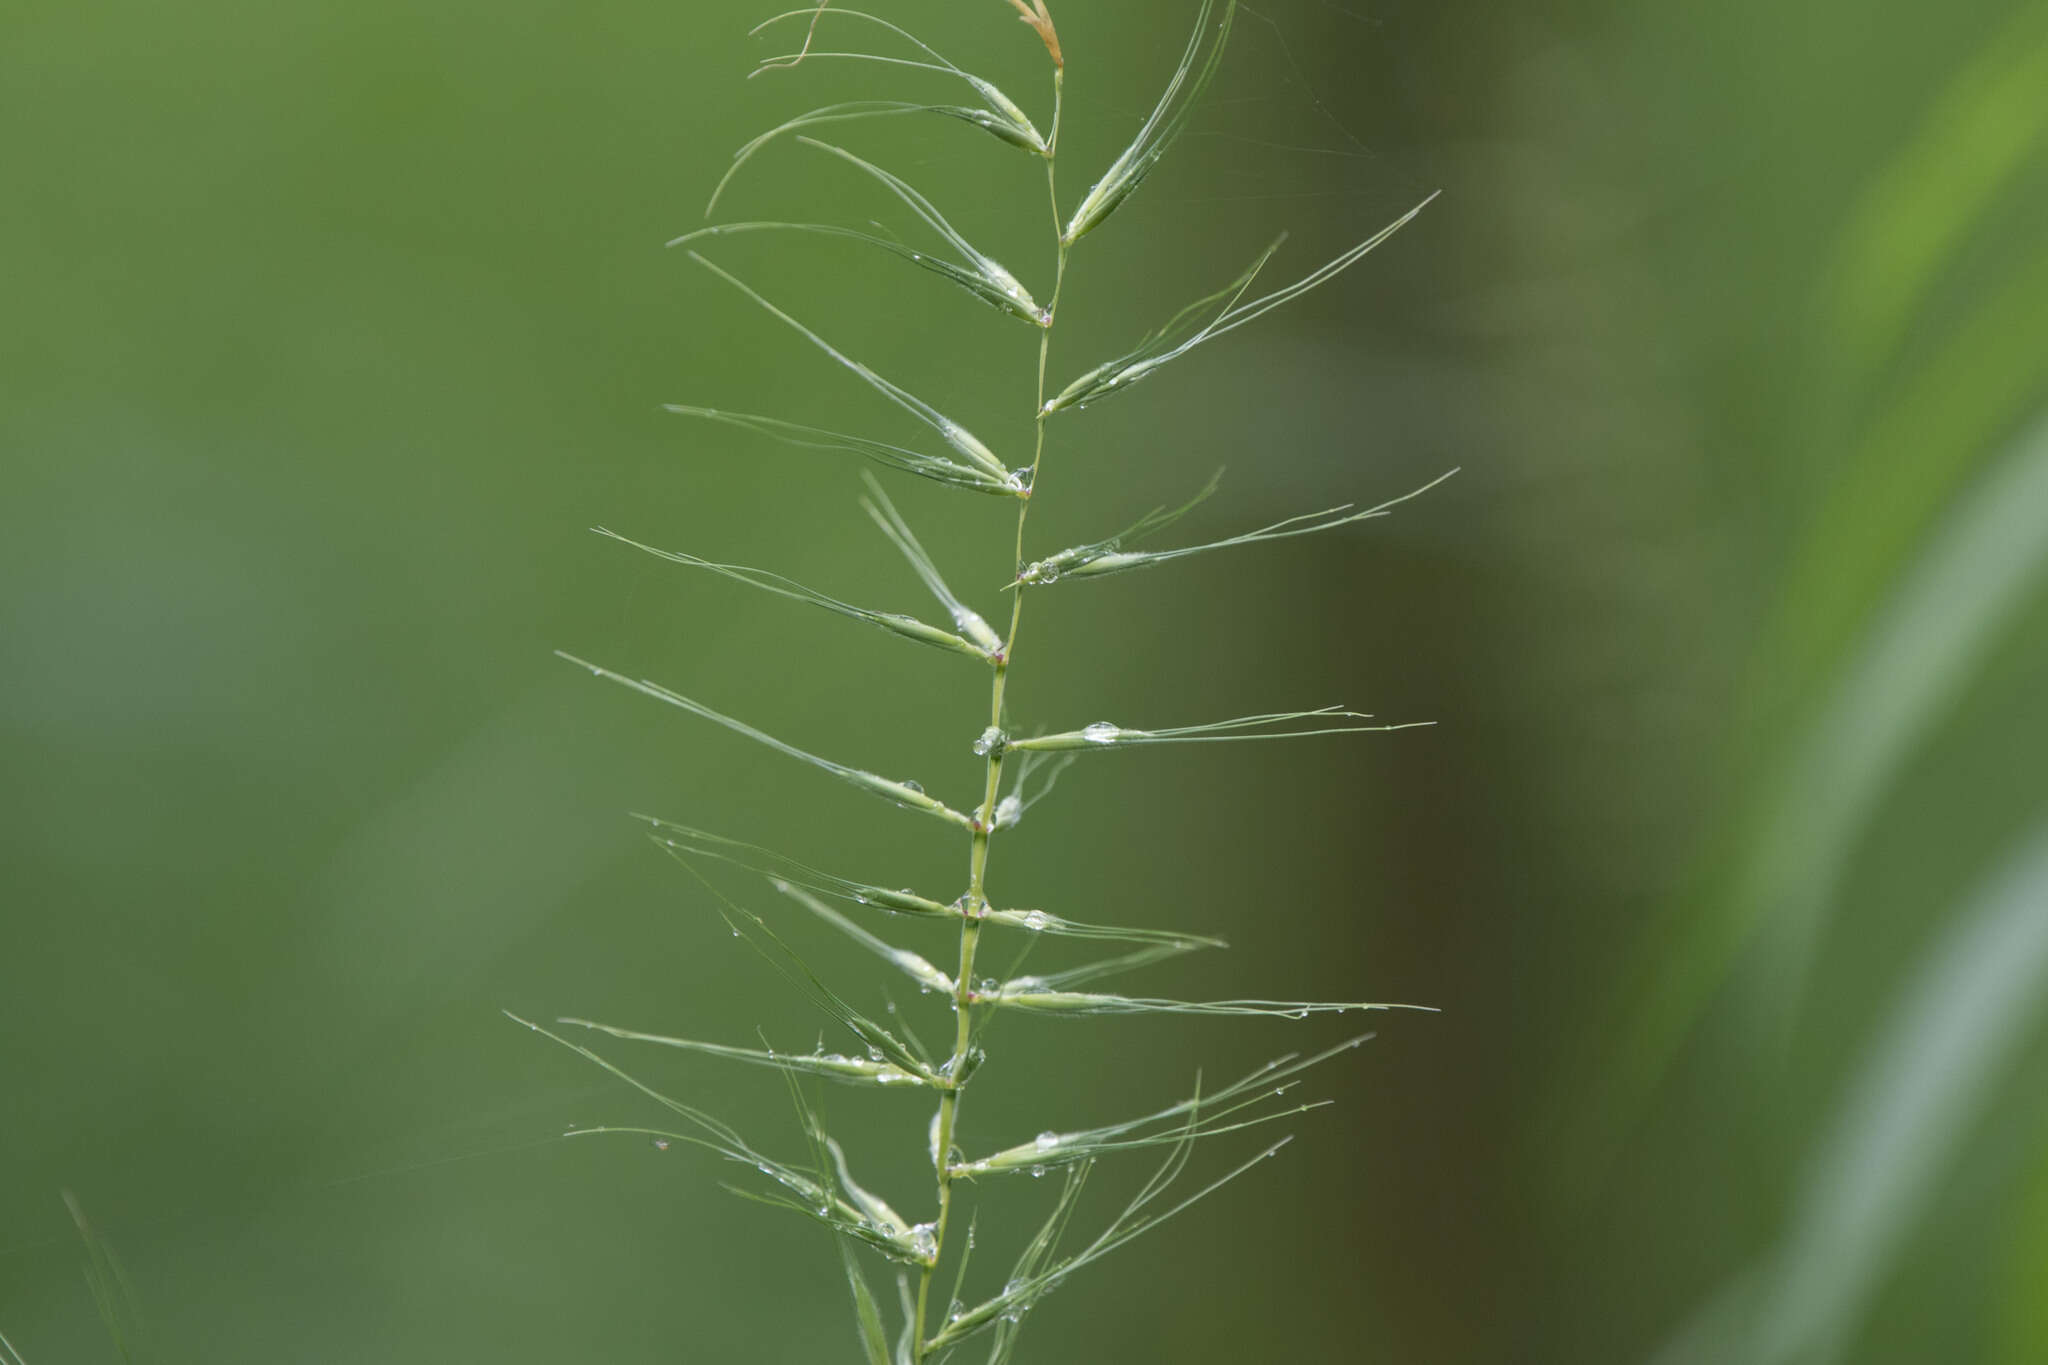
(936, 1322)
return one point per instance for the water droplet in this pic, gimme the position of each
(924, 1240)
(1037, 920)
(1037, 1171)
(991, 740)
(1102, 732)
(1009, 811)
(1046, 1141)
(913, 786)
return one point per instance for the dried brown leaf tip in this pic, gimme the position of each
(1035, 14)
(810, 35)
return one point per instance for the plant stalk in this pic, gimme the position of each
(984, 819)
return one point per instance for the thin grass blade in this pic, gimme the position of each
(933, 467)
(814, 1198)
(113, 1293)
(781, 869)
(909, 795)
(1170, 339)
(1132, 1223)
(1017, 135)
(970, 622)
(1105, 735)
(979, 285)
(1161, 347)
(830, 1066)
(1053, 567)
(951, 432)
(785, 872)
(909, 627)
(1004, 118)
(1039, 922)
(874, 1338)
(1001, 288)
(912, 965)
(1108, 557)
(1166, 123)
(1026, 994)
(1202, 1115)
(880, 1042)
(1095, 971)
(1010, 810)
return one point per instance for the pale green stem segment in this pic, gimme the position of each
(984, 823)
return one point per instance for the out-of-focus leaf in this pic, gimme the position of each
(1981, 134)
(1924, 1082)
(1946, 615)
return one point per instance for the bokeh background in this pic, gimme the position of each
(331, 327)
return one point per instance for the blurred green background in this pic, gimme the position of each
(331, 327)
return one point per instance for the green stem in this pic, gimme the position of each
(984, 819)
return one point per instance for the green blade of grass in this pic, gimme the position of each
(1124, 962)
(1053, 567)
(952, 433)
(799, 973)
(912, 965)
(780, 868)
(980, 285)
(1104, 735)
(1161, 348)
(1000, 287)
(1108, 557)
(852, 110)
(969, 621)
(1006, 120)
(1027, 994)
(874, 1338)
(830, 1066)
(814, 1199)
(924, 466)
(1213, 1114)
(909, 627)
(1165, 124)
(909, 795)
(1039, 922)
(1010, 810)
(1171, 338)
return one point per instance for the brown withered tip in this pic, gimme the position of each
(1035, 14)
